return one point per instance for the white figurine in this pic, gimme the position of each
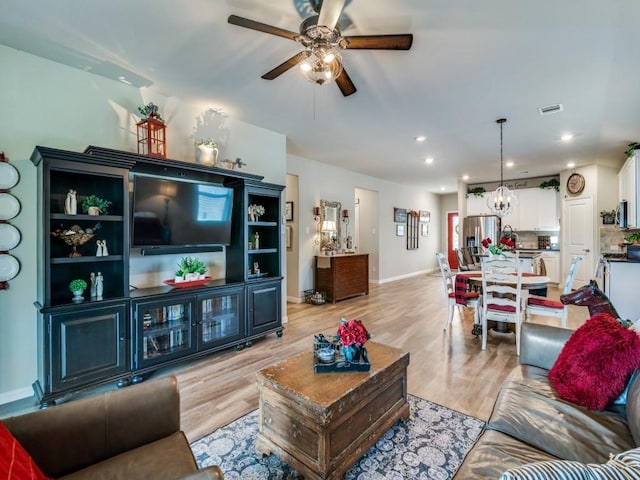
(99, 249)
(93, 285)
(99, 286)
(70, 203)
(105, 252)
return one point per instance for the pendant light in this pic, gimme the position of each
(502, 201)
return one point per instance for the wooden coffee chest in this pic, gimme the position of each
(322, 423)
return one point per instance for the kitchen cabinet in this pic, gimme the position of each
(621, 286)
(477, 205)
(552, 265)
(537, 210)
(627, 188)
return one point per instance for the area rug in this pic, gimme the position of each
(430, 445)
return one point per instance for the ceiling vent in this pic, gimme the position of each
(549, 109)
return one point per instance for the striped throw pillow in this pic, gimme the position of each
(623, 466)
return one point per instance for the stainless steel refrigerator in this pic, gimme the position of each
(477, 227)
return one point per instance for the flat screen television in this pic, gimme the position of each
(176, 214)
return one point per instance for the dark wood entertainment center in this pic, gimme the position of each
(125, 336)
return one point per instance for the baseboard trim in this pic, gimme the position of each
(295, 300)
(13, 395)
(404, 276)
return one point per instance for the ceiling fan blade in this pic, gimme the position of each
(283, 67)
(330, 12)
(261, 27)
(380, 42)
(345, 84)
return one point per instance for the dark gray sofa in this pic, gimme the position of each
(529, 423)
(131, 433)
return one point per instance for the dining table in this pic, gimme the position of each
(473, 280)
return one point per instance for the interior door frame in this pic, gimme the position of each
(451, 254)
(572, 247)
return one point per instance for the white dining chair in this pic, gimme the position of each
(554, 308)
(471, 299)
(501, 291)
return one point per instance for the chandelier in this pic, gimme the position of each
(502, 201)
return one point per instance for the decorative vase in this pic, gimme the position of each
(77, 295)
(206, 155)
(351, 353)
(93, 211)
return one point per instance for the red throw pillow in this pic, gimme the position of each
(596, 362)
(15, 462)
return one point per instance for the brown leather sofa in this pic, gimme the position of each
(131, 433)
(529, 423)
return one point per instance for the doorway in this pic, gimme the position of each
(577, 234)
(453, 238)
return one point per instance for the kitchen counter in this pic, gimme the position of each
(621, 286)
(540, 250)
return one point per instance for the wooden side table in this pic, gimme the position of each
(322, 423)
(342, 276)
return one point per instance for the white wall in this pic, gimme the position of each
(319, 181)
(44, 103)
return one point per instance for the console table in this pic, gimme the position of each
(342, 276)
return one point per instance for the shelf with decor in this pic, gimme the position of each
(83, 341)
(122, 336)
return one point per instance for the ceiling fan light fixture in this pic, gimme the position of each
(322, 65)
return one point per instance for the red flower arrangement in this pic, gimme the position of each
(352, 333)
(505, 244)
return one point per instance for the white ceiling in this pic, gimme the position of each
(472, 62)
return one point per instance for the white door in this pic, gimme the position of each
(577, 237)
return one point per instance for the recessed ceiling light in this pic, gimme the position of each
(428, 160)
(571, 164)
(567, 137)
(509, 164)
(420, 138)
(465, 177)
(443, 188)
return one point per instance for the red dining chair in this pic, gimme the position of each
(471, 299)
(553, 308)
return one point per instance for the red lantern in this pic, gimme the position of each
(152, 137)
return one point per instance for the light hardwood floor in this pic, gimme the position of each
(451, 370)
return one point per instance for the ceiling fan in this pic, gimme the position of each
(321, 61)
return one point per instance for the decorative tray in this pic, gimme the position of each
(339, 362)
(192, 283)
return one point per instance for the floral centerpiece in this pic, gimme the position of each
(352, 335)
(499, 249)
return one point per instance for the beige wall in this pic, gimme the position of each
(319, 181)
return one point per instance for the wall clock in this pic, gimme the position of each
(575, 183)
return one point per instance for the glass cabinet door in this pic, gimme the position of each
(220, 317)
(165, 331)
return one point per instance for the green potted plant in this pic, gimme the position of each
(94, 205)
(477, 191)
(77, 287)
(633, 238)
(608, 217)
(553, 183)
(190, 269)
(150, 110)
